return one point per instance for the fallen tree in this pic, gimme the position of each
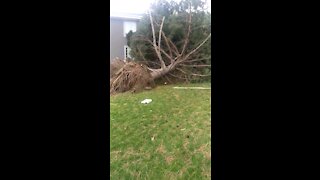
(178, 58)
(170, 59)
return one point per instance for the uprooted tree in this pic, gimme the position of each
(172, 41)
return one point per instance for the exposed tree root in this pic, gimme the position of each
(131, 77)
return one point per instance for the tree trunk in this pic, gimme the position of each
(157, 73)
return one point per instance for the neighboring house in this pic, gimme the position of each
(120, 25)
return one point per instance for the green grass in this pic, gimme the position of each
(178, 121)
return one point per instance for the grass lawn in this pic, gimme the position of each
(170, 138)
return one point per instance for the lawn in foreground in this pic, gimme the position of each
(170, 138)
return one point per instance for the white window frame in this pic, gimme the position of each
(127, 50)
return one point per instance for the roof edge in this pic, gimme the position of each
(126, 16)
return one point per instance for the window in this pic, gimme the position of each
(127, 52)
(129, 26)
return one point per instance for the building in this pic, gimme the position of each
(120, 25)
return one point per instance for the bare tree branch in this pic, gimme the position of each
(200, 59)
(194, 50)
(152, 70)
(168, 56)
(139, 50)
(155, 44)
(177, 76)
(159, 44)
(172, 44)
(150, 62)
(179, 69)
(193, 74)
(167, 43)
(188, 33)
(200, 65)
(201, 75)
(168, 79)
